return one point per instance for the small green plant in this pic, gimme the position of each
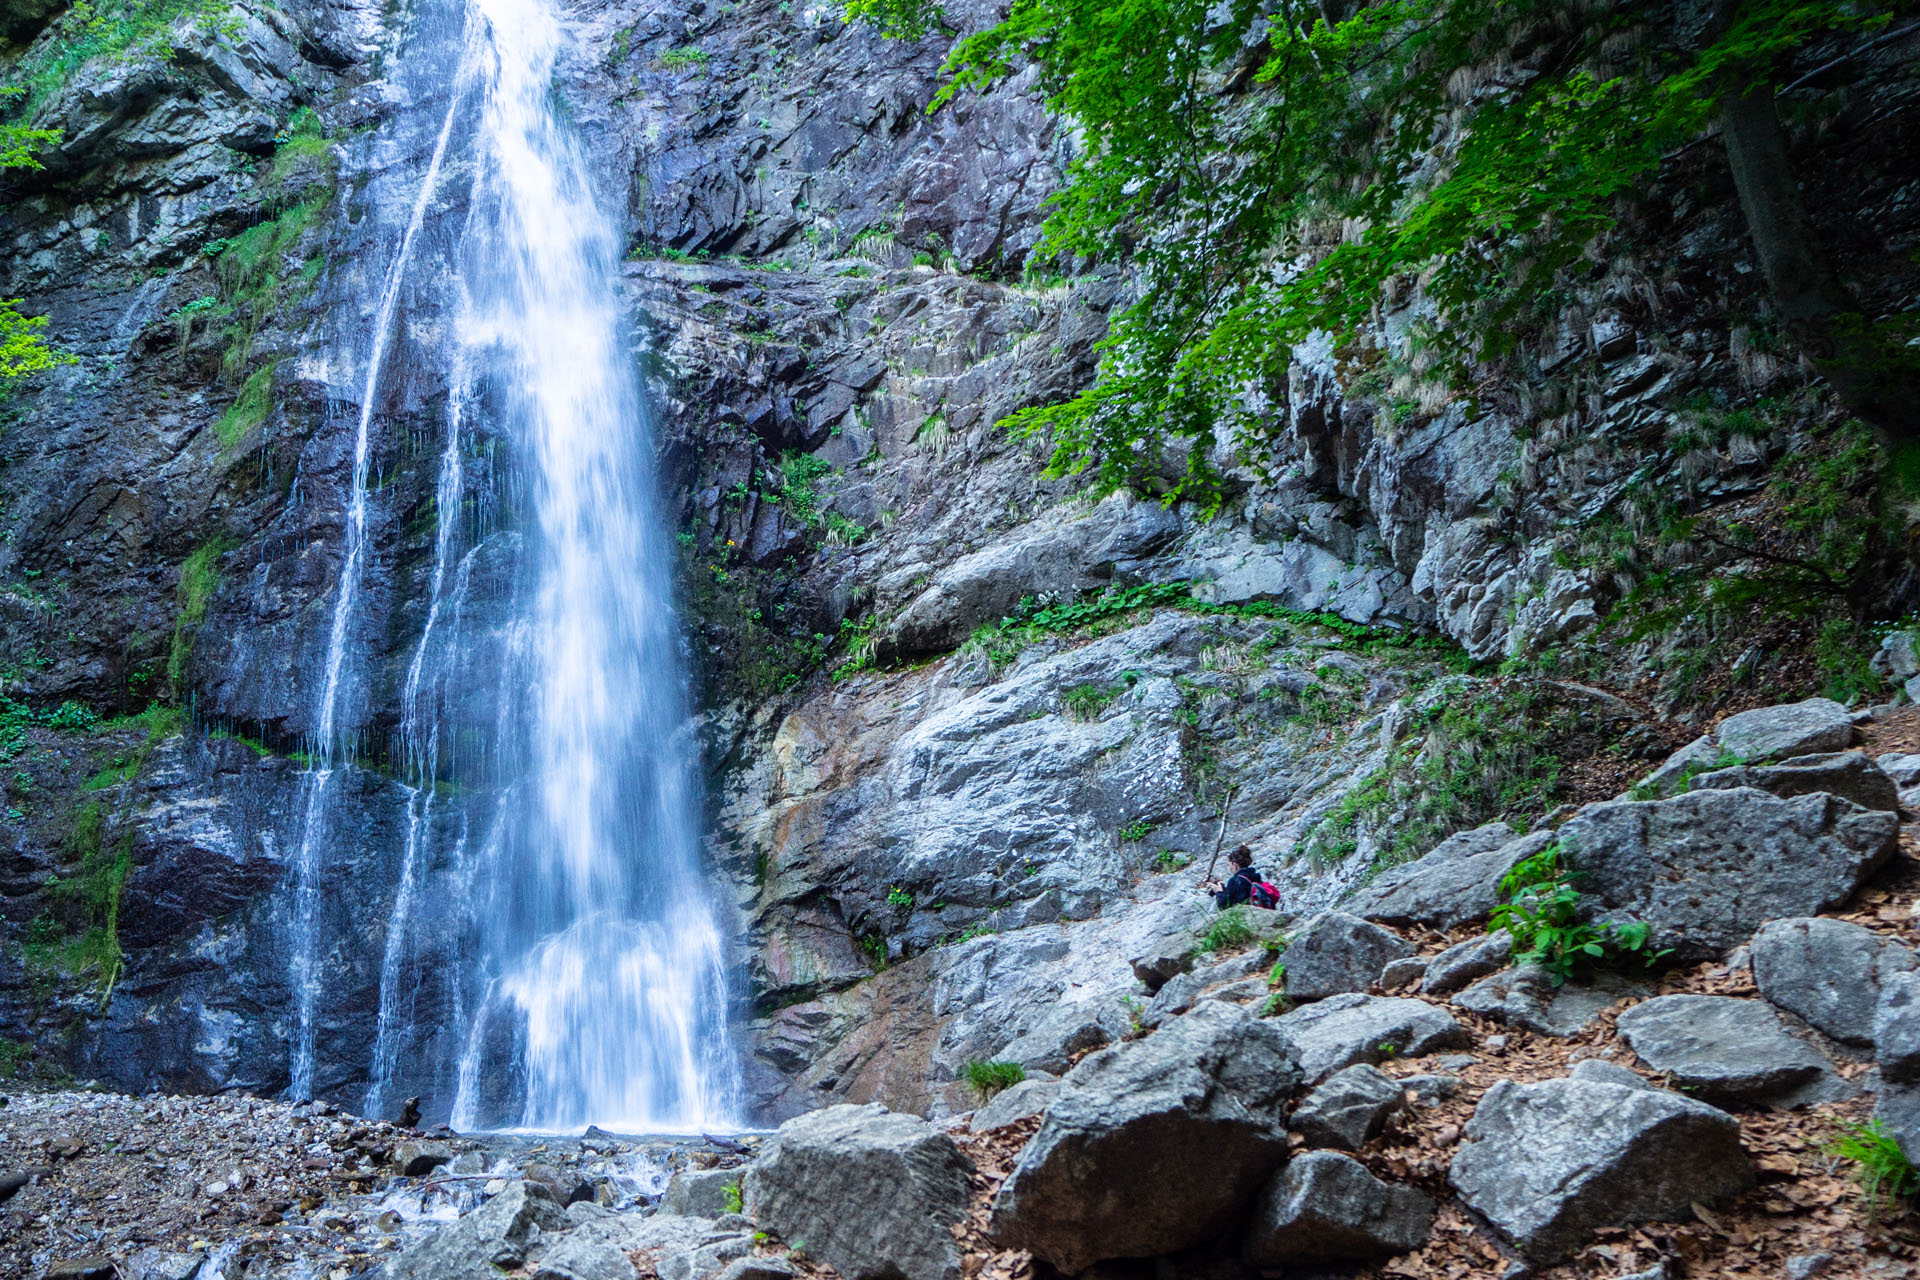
(1277, 976)
(988, 1078)
(1278, 1002)
(1137, 830)
(1225, 931)
(248, 410)
(199, 579)
(874, 947)
(1542, 914)
(1087, 701)
(685, 58)
(730, 1196)
(898, 897)
(1885, 1174)
(1168, 860)
(1136, 1014)
(14, 1054)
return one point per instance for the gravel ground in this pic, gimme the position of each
(146, 1188)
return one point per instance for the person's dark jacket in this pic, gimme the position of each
(1238, 889)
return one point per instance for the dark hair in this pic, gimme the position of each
(1240, 857)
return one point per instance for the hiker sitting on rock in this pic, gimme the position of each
(1244, 885)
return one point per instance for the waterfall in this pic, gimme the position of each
(552, 956)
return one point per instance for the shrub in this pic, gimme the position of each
(730, 1196)
(1227, 930)
(1087, 701)
(1542, 913)
(1137, 830)
(988, 1078)
(1884, 1172)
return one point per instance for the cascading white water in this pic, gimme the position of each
(577, 957)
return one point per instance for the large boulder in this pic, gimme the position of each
(1012, 1105)
(703, 1193)
(1794, 729)
(1152, 1145)
(1458, 965)
(1550, 1163)
(1349, 1109)
(873, 1194)
(1064, 1033)
(1334, 953)
(1526, 997)
(493, 1237)
(1896, 1047)
(1828, 972)
(1706, 868)
(1721, 1047)
(1343, 1030)
(1847, 774)
(1326, 1207)
(1457, 882)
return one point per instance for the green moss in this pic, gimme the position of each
(81, 939)
(199, 579)
(252, 271)
(248, 410)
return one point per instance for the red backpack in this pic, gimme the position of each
(1264, 894)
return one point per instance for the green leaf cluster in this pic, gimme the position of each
(1542, 913)
(1279, 171)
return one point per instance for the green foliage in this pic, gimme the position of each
(1376, 146)
(1228, 930)
(253, 272)
(684, 58)
(302, 155)
(898, 897)
(730, 1196)
(874, 947)
(1137, 830)
(1087, 701)
(199, 579)
(1119, 608)
(1168, 860)
(116, 30)
(23, 343)
(82, 937)
(1488, 751)
(14, 1055)
(248, 410)
(988, 1078)
(1884, 1172)
(1542, 913)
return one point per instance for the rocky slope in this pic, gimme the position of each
(972, 736)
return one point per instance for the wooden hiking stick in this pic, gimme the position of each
(1220, 837)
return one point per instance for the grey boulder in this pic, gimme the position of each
(703, 1193)
(1326, 1207)
(1063, 1034)
(1605, 1072)
(873, 1194)
(1550, 1163)
(1828, 972)
(1721, 1047)
(1152, 1145)
(1335, 953)
(1012, 1105)
(1525, 997)
(1675, 771)
(1457, 882)
(1847, 774)
(1793, 729)
(1343, 1030)
(492, 1237)
(1458, 965)
(1897, 1049)
(1706, 868)
(1349, 1109)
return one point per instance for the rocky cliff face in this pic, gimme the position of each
(971, 735)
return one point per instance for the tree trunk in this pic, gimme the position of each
(1816, 309)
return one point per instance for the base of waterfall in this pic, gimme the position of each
(220, 1188)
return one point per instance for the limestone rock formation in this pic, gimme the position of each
(1152, 1145)
(1549, 1163)
(1706, 869)
(872, 1193)
(1326, 1207)
(1829, 972)
(1335, 953)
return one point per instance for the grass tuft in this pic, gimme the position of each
(988, 1078)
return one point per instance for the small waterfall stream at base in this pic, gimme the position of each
(552, 956)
